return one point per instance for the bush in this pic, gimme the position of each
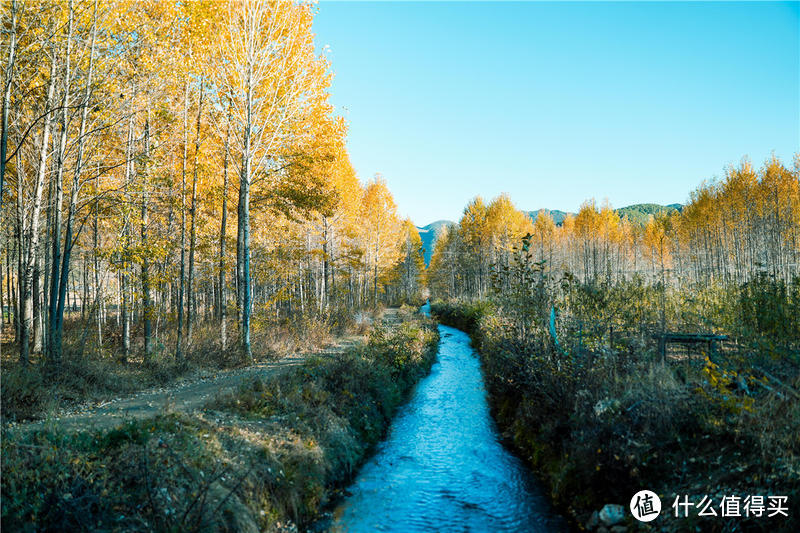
(601, 424)
(465, 316)
(768, 308)
(264, 458)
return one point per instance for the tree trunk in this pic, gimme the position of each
(147, 312)
(325, 269)
(125, 314)
(96, 249)
(243, 235)
(27, 274)
(375, 279)
(179, 340)
(54, 347)
(38, 303)
(12, 49)
(222, 303)
(191, 300)
(20, 234)
(9, 291)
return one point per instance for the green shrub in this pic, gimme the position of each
(768, 308)
(465, 316)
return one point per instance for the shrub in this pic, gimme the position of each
(600, 424)
(261, 459)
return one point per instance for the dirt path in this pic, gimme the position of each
(185, 397)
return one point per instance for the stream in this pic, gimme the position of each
(442, 466)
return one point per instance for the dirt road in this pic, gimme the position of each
(187, 396)
(184, 397)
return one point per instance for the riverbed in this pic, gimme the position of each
(443, 466)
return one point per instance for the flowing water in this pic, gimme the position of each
(442, 467)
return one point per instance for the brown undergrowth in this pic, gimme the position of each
(601, 425)
(265, 458)
(91, 373)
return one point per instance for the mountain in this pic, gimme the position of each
(639, 213)
(558, 216)
(428, 235)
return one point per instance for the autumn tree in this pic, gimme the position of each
(408, 276)
(381, 232)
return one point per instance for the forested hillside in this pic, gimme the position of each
(640, 213)
(428, 235)
(557, 216)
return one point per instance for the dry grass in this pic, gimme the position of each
(91, 374)
(266, 458)
(601, 426)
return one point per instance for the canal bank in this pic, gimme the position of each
(442, 466)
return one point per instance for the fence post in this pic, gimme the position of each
(611, 337)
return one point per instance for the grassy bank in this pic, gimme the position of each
(603, 425)
(91, 373)
(266, 458)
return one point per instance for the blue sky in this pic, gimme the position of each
(555, 103)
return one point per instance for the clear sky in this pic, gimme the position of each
(555, 103)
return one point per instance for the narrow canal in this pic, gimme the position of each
(442, 466)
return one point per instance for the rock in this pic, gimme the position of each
(619, 529)
(606, 406)
(602, 529)
(612, 514)
(593, 521)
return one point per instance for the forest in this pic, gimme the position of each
(173, 174)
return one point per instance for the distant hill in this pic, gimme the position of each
(558, 216)
(639, 213)
(428, 235)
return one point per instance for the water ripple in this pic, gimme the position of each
(442, 467)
